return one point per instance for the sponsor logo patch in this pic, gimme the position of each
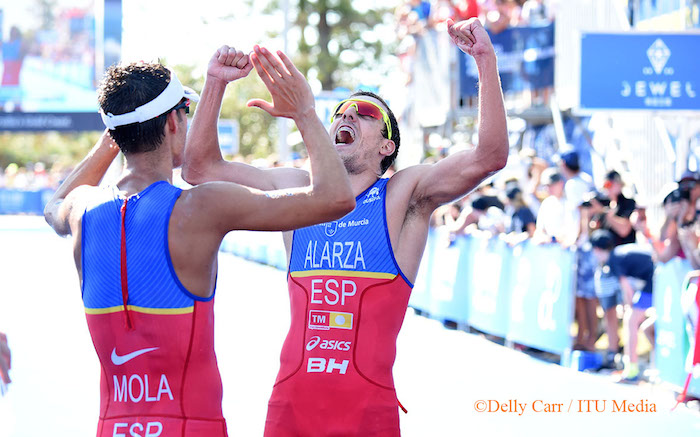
(372, 196)
(329, 319)
(118, 360)
(336, 345)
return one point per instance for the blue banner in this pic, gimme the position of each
(449, 281)
(525, 60)
(487, 263)
(542, 297)
(640, 71)
(671, 338)
(46, 87)
(24, 202)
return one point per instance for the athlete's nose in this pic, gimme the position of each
(351, 113)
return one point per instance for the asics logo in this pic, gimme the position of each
(118, 360)
(327, 344)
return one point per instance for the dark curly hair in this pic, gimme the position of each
(395, 136)
(126, 87)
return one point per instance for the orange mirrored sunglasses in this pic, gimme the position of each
(364, 107)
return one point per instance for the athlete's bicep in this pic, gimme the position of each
(451, 178)
(228, 207)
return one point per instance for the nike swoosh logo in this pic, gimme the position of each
(119, 360)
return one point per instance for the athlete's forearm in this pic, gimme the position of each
(202, 146)
(90, 171)
(493, 133)
(329, 179)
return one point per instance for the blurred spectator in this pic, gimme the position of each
(21, 181)
(534, 168)
(499, 15)
(612, 210)
(688, 226)
(534, 13)
(422, 9)
(689, 186)
(490, 213)
(578, 185)
(633, 267)
(468, 218)
(522, 220)
(452, 213)
(447, 215)
(11, 174)
(441, 11)
(466, 9)
(555, 221)
(5, 363)
(14, 51)
(688, 236)
(40, 178)
(411, 22)
(666, 246)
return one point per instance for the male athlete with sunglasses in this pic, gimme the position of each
(350, 280)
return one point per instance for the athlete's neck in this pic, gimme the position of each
(143, 169)
(360, 182)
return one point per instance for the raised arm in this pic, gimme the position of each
(58, 211)
(329, 196)
(459, 173)
(203, 160)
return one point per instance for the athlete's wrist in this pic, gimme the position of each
(305, 117)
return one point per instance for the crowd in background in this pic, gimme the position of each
(32, 176)
(416, 17)
(616, 249)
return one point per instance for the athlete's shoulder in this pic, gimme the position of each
(403, 183)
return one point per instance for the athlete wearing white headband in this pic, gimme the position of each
(171, 95)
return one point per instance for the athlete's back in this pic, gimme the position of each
(154, 339)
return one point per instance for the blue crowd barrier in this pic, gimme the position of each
(542, 297)
(488, 277)
(672, 343)
(13, 201)
(448, 298)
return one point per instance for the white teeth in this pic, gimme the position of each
(349, 130)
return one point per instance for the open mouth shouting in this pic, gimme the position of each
(345, 135)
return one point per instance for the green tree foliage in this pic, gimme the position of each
(51, 148)
(258, 130)
(335, 37)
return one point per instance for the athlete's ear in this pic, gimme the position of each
(171, 123)
(387, 148)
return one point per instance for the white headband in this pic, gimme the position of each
(170, 97)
